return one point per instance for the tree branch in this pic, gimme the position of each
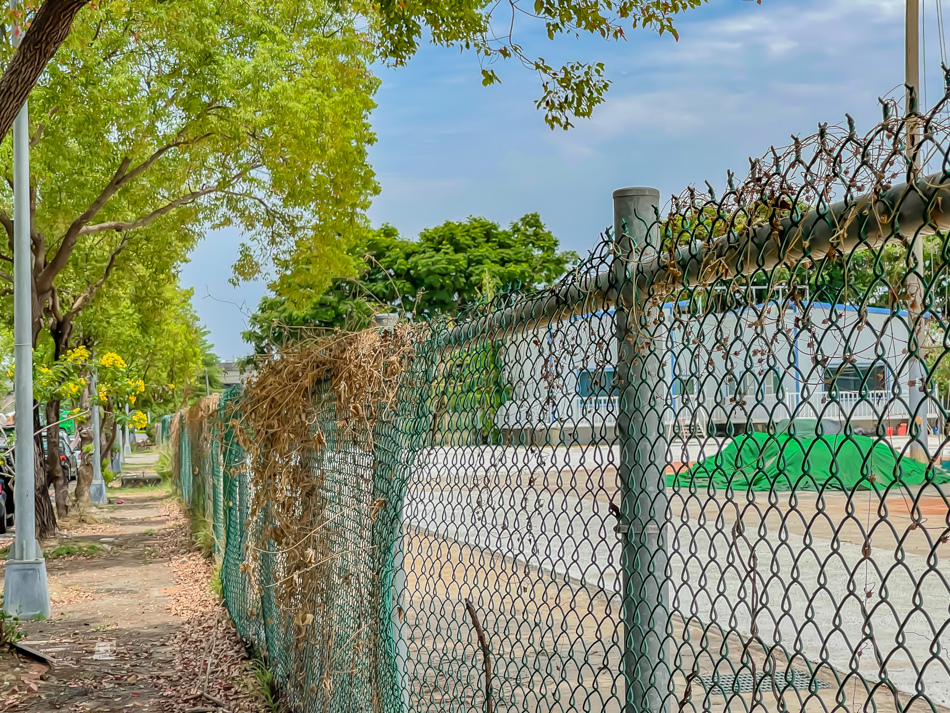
(44, 281)
(50, 27)
(7, 222)
(54, 305)
(35, 139)
(121, 226)
(122, 177)
(94, 288)
(165, 209)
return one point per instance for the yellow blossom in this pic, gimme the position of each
(139, 419)
(131, 401)
(44, 370)
(77, 355)
(112, 359)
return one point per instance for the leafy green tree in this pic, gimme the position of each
(155, 123)
(153, 322)
(180, 131)
(393, 29)
(446, 270)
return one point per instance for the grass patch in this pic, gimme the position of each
(202, 532)
(10, 632)
(265, 687)
(80, 549)
(164, 465)
(217, 586)
(164, 488)
(149, 531)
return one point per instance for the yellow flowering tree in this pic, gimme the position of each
(67, 381)
(118, 387)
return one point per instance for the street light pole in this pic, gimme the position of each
(126, 434)
(25, 586)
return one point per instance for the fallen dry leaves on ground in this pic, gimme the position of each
(206, 665)
(207, 637)
(67, 594)
(87, 524)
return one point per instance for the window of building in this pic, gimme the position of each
(772, 381)
(596, 382)
(685, 386)
(850, 378)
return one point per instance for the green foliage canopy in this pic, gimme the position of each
(446, 270)
(158, 121)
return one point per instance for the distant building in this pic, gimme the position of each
(748, 367)
(231, 374)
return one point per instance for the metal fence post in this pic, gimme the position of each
(641, 433)
(396, 564)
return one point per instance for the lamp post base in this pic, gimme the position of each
(25, 589)
(97, 492)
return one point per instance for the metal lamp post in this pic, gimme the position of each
(97, 489)
(25, 587)
(126, 435)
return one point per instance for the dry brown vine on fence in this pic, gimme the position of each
(304, 401)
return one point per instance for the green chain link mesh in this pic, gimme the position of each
(704, 472)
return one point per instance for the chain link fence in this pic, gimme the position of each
(704, 472)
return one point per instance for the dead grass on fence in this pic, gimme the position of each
(351, 377)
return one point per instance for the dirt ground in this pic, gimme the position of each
(134, 624)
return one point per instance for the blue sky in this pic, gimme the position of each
(742, 77)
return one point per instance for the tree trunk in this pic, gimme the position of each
(49, 28)
(107, 434)
(52, 459)
(45, 514)
(60, 333)
(84, 477)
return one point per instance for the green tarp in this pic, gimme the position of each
(759, 461)
(68, 425)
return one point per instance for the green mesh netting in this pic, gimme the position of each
(356, 513)
(164, 430)
(760, 461)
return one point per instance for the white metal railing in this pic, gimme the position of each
(603, 409)
(600, 408)
(846, 405)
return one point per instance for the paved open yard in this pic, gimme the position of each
(850, 580)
